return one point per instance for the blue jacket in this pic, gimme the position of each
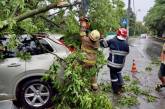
(118, 50)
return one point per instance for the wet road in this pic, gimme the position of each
(142, 50)
(7, 105)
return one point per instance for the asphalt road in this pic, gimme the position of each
(142, 51)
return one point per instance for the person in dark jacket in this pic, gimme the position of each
(118, 50)
(161, 72)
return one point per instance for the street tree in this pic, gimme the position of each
(155, 19)
(32, 16)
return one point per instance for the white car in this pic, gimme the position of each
(21, 80)
(143, 36)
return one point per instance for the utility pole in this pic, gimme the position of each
(128, 15)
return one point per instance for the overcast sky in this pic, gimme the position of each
(141, 7)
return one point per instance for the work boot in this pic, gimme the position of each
(121, 89)
(94, 85)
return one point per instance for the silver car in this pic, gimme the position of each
(20, 80)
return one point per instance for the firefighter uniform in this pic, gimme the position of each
(118, 50)
(161, 73)
(162, 66)
(89, 46)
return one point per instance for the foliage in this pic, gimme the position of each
(140, 28)
(132, 91)
(151, 98)
(155, 61)
(105, 15)
(155, 18)
(72, 26)
(133, 88)
(148, 68)
(126, 77)
(136, 28)
(24, 56)
(106, 87)
(74, 89)
(128, 101)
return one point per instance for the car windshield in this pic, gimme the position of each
(26, 44)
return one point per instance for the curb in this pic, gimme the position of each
(162, 39)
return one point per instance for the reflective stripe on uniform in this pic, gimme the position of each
(162, 58)
(90, 62)
(88, 50)
(105, 44)
(121, 53)
(114, 80)
(115, 64)
(113, 56)
(82, 33)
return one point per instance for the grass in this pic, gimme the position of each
(155, 61)
(148, 68)
(151, 98)
(126, 78)
(128, 101)
(106, 87)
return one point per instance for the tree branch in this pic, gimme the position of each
(38, 11)
(49, 21)
(41, 10)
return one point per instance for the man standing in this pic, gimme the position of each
(89, 46)
(118, 50)
(161, 73)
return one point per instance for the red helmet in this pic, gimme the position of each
(122, 33)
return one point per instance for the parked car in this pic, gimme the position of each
(143, 36)
(61, 39)
(110, 35)
(21, 80)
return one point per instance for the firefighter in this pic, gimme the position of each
(89, 46)
(161, 73)
(85, 25)
(118, 50)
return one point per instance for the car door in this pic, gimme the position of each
(41, 58)
(10, 67)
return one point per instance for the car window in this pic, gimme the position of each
(45, 45)
(27, 44)
(36, 46)
(4, 51)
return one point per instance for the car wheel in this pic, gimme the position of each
(36, 94)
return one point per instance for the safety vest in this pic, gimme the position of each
(89, 48)
(162, 57)
(118, 50)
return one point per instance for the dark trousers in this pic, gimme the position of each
(116, 79)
